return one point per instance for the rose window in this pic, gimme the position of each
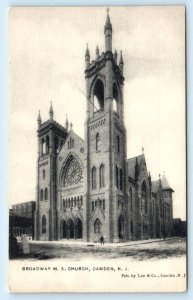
(73, 172)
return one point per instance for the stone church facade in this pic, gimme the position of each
(89, 188)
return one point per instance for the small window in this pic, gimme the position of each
(97, 142)
(118, 144)
(100, 203)
(121, 179)
(101, 176)
(93, 178)
(131, 227)
(92, 205)
(103, 203)
(41, 195)
(117, 177)
(43, 225)
(46, 194)
(44, 174)
(47, 144)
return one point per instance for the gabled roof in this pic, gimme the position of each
(131, 165)
(155, 186)
(165, 184)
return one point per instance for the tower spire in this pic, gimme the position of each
(108, 33)
(67, 124)
(97, 52)
(39, 119)
(121, 63)
(108, 24)
(87, 56)
(51, 112)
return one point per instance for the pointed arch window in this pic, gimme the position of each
(118, 144)
(103, 203)
(121, 179)
(47, 144)
(101, 176)
(93, 178)
(98, 96)
(131, 226)
(43, 224)
(41, 195)
(97, 226)
(144, 197)
(46, 193)
(116, 99)
(97, 142)
(117, 177)
(43, 147)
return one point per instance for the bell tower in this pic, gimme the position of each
(105, 139)
(51, 137)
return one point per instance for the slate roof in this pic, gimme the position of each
(165, 183)
(155, 186)
(131, 165)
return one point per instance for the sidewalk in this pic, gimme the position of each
(81, 244)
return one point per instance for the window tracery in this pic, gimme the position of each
(73, 172)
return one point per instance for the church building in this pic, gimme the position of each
(89, 188)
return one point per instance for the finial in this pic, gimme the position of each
(39, 119)
(66, 124)
(51, 112)
(159, 176)
(121, 63)
(142, 150)
(164, 173)
(97, 52)
(87, 53)
(71, 125)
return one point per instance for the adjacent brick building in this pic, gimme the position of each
(88, 188)
(21, 219)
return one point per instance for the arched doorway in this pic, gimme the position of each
(63, 229)
(78, 229)
(70, 229)
(121, 227)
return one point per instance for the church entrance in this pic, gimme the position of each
(78, 229)
(70, 229)
(121, 227)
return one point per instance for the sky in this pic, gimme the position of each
(46, 63)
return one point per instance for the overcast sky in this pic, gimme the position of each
(46, 63)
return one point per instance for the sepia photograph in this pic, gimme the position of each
(97, 149)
